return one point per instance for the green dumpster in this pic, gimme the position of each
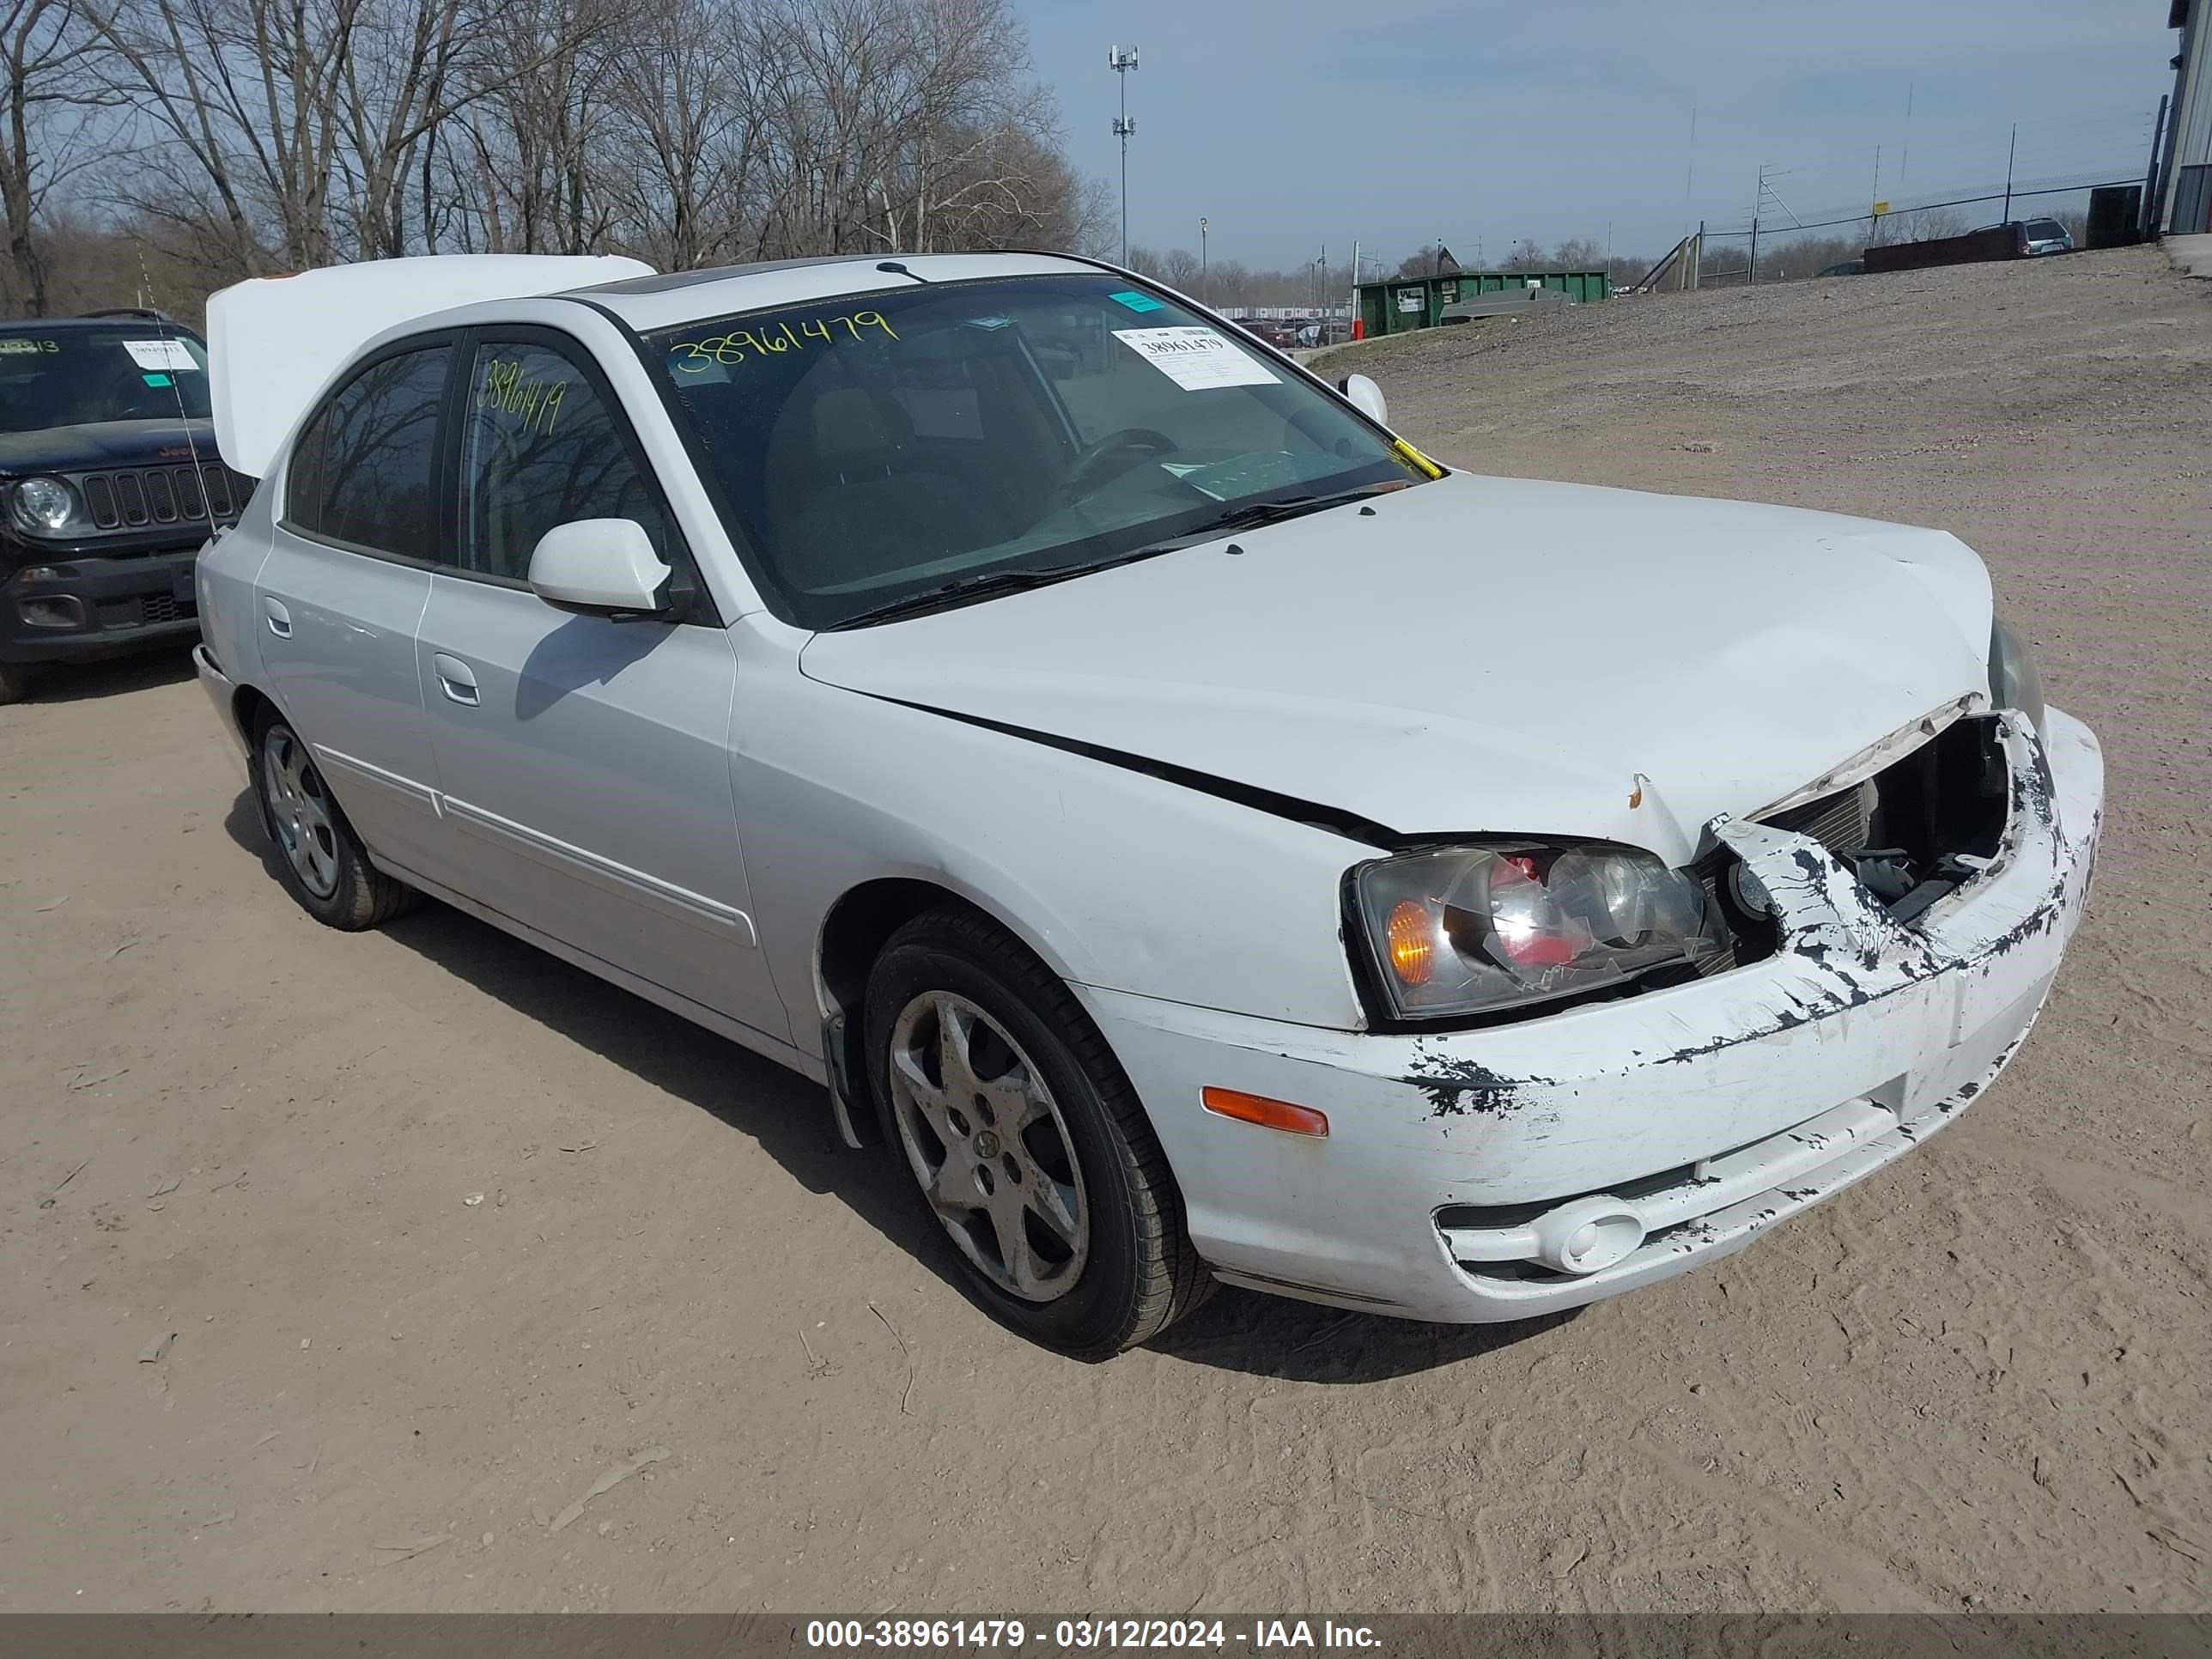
(1403, 303)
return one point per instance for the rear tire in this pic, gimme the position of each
(1023, 1141)
(319, 860)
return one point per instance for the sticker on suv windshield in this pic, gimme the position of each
(1136, 301)
(1195, 359)
(159, 354)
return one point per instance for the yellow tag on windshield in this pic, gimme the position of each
(1414, 457)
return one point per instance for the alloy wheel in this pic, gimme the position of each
(299, 812)
(986, 1141)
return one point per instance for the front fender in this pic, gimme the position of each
(1115, 879)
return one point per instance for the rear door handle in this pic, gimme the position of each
(456, 679)
(280, 619)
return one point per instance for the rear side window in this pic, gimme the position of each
(364, 472)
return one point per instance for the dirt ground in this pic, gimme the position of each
(261, 1347)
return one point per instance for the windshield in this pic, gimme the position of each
(74, 376)
(876, 447)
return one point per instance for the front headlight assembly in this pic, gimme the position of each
(44, 506)
(1474, 930)
(2014, 681)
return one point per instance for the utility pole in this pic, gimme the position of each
(1205, 286)
(1758, 202)
(1905, 162)
(2011, 150)
(2154, 184)
(1123, 60)
(1690, 178)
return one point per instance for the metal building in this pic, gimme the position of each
(2185, 188)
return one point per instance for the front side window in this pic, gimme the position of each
(364, 471)
(538, 449)
(878, 448)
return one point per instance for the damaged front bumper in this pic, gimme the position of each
(1517, 1171)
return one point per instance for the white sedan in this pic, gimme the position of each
(1199, 837)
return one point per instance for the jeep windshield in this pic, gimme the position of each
(878, 448)
(74, 376)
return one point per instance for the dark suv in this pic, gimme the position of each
(107, 471)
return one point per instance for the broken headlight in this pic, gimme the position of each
(2014, 681)
(1471, 930)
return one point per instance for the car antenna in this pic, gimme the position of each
(161, 328)
(898, 269)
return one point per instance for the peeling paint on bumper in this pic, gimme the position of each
(1856, 1008)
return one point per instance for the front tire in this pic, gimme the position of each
(15, 682)
(319, 860)
(1025, 1144)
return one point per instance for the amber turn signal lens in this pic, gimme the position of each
(1412, 940)
(1267, 1113)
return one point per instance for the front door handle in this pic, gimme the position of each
(280, 619)
(456, 679)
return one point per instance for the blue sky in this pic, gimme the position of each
(1292, 125)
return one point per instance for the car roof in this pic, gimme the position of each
(78, 325)
(652, 302)
(274, 343)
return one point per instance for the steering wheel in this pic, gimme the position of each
(1132, 443)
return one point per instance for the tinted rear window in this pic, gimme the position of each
(364, 471)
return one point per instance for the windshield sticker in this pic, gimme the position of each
(1414, 458)
(159, 354)
(988, 322)
(17, 347)
(157, 380)
(1195, 359)
(1136, 301)
(535, 404)
(696, 357)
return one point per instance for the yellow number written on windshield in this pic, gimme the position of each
(692, 356)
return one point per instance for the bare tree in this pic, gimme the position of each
(52, 130)
(688, 118)
(264, 135)
(1430, 259)
(1931, 224)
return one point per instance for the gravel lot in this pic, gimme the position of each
(1979, 1379)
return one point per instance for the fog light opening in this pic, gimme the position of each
(1588, 1235)
(57, 611)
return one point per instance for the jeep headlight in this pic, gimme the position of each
(42, 507)
(1471, 930)
(2014, 681)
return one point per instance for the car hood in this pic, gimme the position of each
(1479, 655)
(105, 443)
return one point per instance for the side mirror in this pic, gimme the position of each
(1366, 397)
(601, 567)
